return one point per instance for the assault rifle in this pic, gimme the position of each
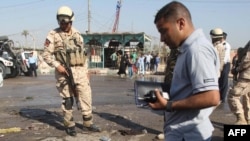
(70, 79)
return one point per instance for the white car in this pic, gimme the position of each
(23, 57)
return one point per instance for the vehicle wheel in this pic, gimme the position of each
(14, 72)
(2, 69)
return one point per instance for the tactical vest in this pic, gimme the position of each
(72, 52)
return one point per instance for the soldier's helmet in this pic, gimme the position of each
(216, 33)
(65, 14)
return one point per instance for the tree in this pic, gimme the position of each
(25, 33)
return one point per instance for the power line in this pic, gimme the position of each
(21, 4)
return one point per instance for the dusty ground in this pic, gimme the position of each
(33, 105)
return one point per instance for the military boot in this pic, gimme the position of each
(240, 119)
(92, 128)
(71, 131)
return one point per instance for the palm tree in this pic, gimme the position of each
(25, 33)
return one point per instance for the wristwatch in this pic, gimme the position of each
(169, 106)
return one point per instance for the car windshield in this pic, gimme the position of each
(26, 55)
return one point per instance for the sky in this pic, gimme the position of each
(38, 17)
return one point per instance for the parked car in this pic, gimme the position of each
(23, 57)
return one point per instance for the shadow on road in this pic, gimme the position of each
(134, 127)
(218, 125)
(51, 118)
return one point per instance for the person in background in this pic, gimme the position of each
(216, 36)
(119, 56)
(33, 64)
(126, 55)
(157, 62)
(152, 63)
(136, 66)
(130, 63)
(239, 95)
(113, 58)
(134, 56)
(226, 69)
(148, 57)
(65, 44)
(195, 93)
(141, 64)
(123, 65)
(220, 37)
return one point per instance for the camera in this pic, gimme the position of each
(151, 97)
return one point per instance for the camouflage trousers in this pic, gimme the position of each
(239, 98)
(83, 90)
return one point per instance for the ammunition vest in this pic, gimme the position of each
(72, 52)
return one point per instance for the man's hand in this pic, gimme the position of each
(61, 69)
(160, 103)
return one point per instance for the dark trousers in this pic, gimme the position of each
(223, 82)
(33, 69)
(113, 64)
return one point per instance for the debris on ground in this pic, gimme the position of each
(10, 130)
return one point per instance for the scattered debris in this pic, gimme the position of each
(10, 130)
(132, 132)
(29, 98)
(104, 138)
(160, 136)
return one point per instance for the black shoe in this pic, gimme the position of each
(92, 128)
(71, 131)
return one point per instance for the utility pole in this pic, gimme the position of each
(89, 16)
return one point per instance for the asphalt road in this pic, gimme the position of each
(33, 106)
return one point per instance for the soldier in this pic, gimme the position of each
(236, 61)
(66, 43)
(171, 60)
(239, 96)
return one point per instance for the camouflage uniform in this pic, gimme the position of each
(236, 61)
(239, 96)
(54, 43)
(171, 60)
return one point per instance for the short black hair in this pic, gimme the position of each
(172, 10)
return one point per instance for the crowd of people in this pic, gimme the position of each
(135, 63)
